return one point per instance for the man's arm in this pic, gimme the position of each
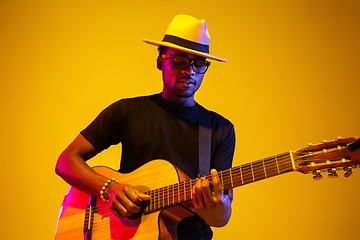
(124, 200)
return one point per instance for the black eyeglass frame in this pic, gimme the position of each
(190, 62)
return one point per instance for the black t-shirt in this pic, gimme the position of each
(151, 128)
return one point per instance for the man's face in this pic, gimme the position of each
(179, 85)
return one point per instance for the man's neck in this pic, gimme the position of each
(179, 101)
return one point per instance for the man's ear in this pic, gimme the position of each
(159, 63)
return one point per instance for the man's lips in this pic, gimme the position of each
(186, 81)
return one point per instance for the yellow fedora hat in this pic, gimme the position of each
(187, 34)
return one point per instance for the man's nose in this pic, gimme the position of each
(189, 70)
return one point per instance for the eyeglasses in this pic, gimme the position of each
(181, 62)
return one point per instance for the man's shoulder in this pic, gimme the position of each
(139, 100)
(216, 117)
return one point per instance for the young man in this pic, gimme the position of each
(161, 126)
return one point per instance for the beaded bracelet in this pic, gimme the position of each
(104, 188)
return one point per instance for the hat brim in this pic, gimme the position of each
(171, 45)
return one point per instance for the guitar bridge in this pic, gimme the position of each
(89, 217)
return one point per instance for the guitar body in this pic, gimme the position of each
(157, 225)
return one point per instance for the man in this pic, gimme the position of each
(161, 126)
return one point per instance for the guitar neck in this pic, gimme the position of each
(230, 178)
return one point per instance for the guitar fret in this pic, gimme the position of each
(164, 197)
(157, 206)
(176, 190)
(277, 164)
(247, 173)
(151, 201)
(231, 178)
(163, 194)
(192, 185)
(252, 172)
(158, 199)
(264, 168)
(242, 179)
(181, 192)
(188, 190)
(222, 179)
(169, 195)
(191, 189)
(184, 191)
(155, 199)
(152, 204)
(173, 194)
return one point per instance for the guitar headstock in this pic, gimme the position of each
(341, 154)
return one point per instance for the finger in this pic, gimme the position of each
(129, 200)
(132, 194)
(202, 190)
(230, 195)
(116, 213)
(119, 210)
(194, 194)
(217, 188)
(141, 195)
(205, 187)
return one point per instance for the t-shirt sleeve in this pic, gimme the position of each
(105, 130)
(224, 142)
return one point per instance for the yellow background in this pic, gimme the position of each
(292, 78)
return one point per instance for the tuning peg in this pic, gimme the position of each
(348, 171)
(317, 175)
(332, 173)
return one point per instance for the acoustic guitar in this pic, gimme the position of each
(86, 217)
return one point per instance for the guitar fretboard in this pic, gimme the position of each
(230, 178)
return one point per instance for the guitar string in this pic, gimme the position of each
(244, 168)
(227, 181)
(158, 197)
(250, 172)
(247, 178)
(161, 200)
(237, 173)
(256, 169)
